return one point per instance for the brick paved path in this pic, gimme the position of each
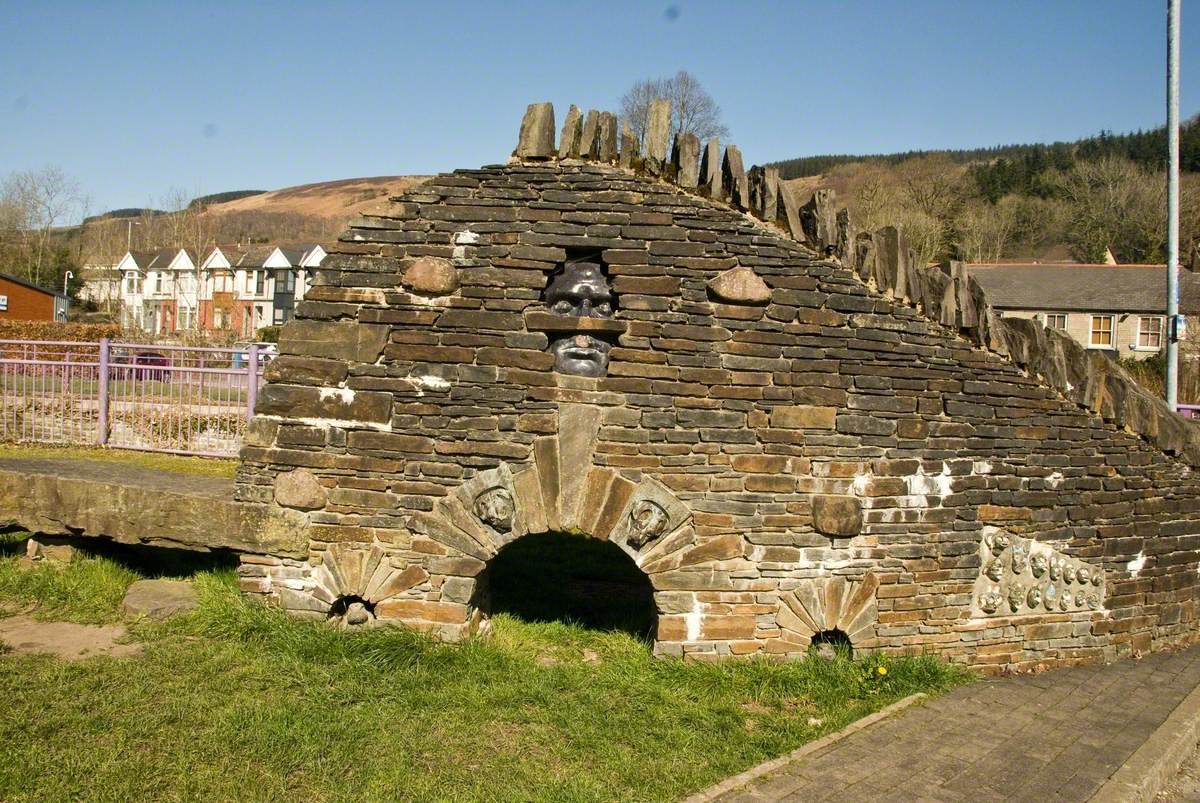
(1054, 736)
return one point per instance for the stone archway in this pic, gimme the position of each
(562, 491)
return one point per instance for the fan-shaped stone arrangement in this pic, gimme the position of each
(348, 584)
(562, 491)
(1019, 577)
(829, 604)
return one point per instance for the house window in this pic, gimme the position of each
(260, 282)
(218, 318)
(1101, 332)
(285, 281)
(158, 282)
(1056, 320)
(131, 283)
(185, 318)
(1150, 332)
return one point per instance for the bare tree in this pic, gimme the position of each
(693, 110)
(38, 200)
(1113, 203)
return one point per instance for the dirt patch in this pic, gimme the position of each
(71, 642)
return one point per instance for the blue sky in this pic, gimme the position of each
(134, 99)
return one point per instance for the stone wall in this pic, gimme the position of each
(790, 438)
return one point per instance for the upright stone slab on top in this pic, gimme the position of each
(686, 157)
(658, 132)
(630, 155)
(572, 132)
(819, 218)
(710, 171)
(606, 136)
(590, 134)
(788, 213)
(537, 132)
(733, 174)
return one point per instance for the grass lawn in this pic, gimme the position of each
(204, 466)
(236, 701)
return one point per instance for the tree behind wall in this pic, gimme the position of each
(33, 203)
(693, 110)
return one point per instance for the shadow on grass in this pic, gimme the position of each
(552, 577)
(154, 561)
(12, 542)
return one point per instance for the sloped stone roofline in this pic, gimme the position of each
(880, 259)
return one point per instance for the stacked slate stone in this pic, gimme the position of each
(882, 259)
(790, 445)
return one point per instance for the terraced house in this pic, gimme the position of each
(234, 288)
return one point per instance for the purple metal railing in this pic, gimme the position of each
(1189, 410)
(181, 399)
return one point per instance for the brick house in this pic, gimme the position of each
(22, 301)
(1115, 308)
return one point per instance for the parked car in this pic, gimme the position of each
(151, 366)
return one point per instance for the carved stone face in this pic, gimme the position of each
(998, 542)
(995, 570)
(1050, 596)
(581, 355)
(1020, 558)
(495, 508)
(1037, 564)
(647, 521)
(580, 291)
(1016, 595)
(989, 601)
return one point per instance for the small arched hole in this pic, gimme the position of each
(832, 644)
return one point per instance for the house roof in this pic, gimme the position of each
(1072, 287)
(160, 259)
(246, 256)
(31, 285)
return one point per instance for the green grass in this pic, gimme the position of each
(204, 466)
(237, 701)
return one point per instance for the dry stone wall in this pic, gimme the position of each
(790, 439)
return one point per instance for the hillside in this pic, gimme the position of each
(1079, 200)
(337, 199)
(1146, 148)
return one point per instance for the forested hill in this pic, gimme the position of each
(1146, 148)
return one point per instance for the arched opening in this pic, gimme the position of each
(352, 609)
(569, 578)
(832, 643)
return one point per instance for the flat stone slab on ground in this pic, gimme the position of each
(159, 599)
(66, 640)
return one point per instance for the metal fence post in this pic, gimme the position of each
(102, 393)
(252, 382)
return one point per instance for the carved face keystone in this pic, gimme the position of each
(647, 521)
(495, 508)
